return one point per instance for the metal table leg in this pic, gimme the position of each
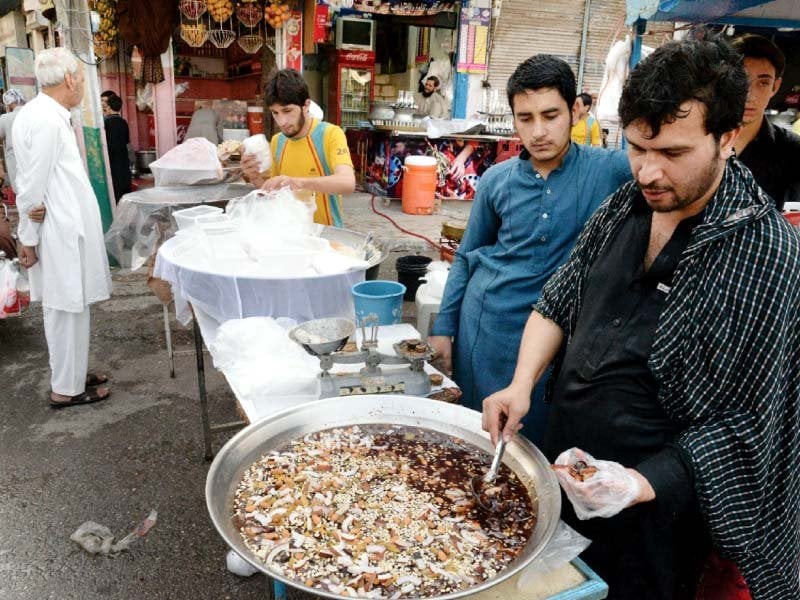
(168, 335)
(208, 428)
(201, 386)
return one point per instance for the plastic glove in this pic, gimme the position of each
(602, 494)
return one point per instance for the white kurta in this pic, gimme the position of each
(72, 271)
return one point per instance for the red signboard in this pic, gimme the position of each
(294, 41)
(320, 23)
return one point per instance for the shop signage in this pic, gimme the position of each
(472, 47)
(357, 56)
(19, 68)
(320, 23)
(294, 41)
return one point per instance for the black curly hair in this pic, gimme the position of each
(542, 71)
(709, 71)
(286, 87)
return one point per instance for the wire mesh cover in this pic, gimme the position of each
(221, 38)
(193, 9)
(194, 36)
(249, 15)
(251, 43)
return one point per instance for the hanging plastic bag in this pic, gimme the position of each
(9, 289)
(564, 547)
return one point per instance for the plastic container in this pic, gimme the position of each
(188, 216)
(409, 271)
(419, 185)
(255, 119)
(235, 134)
(381, 298)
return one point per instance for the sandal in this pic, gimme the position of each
(93, 379)
(84, 398)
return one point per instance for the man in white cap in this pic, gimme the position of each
(60, 228)
(13, 100)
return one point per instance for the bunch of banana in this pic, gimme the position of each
(194, 34)
(105, 40)
(276, 13)
(220, 10)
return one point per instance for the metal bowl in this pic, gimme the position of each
(253, 442)
(333, 330)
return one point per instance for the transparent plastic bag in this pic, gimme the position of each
(564, 547)
(605, 493)
(258, 146)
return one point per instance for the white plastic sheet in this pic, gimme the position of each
(190, 163)
(269, 261)
(143, 220)
(258, 354)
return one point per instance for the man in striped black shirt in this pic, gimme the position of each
(676, 322)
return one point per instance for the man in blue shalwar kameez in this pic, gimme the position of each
(525, 219)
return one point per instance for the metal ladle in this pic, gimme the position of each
(481, 485)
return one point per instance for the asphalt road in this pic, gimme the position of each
(112, 463)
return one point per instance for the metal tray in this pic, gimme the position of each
(259, 438)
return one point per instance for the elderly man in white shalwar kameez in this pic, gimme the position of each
(60, 227)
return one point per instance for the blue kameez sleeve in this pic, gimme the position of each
(482, 227)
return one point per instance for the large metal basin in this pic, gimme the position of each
(252, 442)
(354, 239)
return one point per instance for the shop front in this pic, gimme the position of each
(378, 69)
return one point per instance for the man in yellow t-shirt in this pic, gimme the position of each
(586, 130)
(308, 155)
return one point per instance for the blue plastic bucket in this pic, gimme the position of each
(381, 298)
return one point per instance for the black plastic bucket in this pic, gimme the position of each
(409, 271)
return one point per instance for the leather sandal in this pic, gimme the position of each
(84, 398)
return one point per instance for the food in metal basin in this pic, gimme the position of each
(380, 511)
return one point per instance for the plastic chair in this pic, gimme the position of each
(427, 308)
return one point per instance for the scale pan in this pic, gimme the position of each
(323, 336)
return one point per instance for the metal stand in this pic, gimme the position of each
(168, 334)
(208, 428)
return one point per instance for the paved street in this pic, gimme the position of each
(115, 461)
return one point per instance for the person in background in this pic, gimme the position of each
(430, 101)
(104, 100)
(771, 153)
(205, 123)
(59, 226)
(677, 324)
(586, 131)
(526, 216)
(118, 140)
(13, 101)
(308, 155)
(604, 135)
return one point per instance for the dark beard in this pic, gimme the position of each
(427, 94)
(696, 190)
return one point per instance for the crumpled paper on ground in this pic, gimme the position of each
(98, 539)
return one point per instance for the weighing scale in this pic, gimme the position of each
(402, 373)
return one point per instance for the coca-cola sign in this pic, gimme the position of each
(357, 56)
